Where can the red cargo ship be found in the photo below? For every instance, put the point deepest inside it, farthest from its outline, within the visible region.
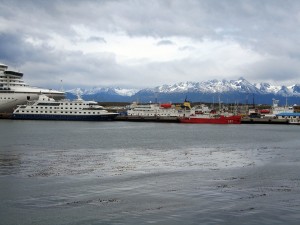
(212, 119)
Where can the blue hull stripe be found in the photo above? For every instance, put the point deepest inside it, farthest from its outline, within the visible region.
(64, 117)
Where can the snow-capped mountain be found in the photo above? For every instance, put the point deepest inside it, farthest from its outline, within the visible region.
(233, 90)
(212, 86)
(97, 90)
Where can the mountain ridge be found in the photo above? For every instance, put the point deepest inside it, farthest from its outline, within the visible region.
(239, 90)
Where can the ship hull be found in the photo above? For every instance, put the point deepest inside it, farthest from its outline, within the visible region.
(107, 117)
(218, 120)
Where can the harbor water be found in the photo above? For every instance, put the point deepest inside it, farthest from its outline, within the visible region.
(55, 172)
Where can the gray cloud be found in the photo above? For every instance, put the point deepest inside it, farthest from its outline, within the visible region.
(165, 42)
(96, 39)
(269, 28)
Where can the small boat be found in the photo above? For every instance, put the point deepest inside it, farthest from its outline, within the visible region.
(46, 108)
(292, 118)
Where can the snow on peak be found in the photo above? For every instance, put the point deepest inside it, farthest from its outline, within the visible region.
(126, 92)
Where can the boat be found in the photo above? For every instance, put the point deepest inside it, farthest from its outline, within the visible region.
(211, 119)
(203, 114)
(46, 108)
(14, 91)
(290, 117)
(156, 110)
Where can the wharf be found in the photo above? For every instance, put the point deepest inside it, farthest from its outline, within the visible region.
(164, 119)
(6, 115)
(247, 120)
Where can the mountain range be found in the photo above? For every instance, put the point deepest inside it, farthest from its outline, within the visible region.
(227, 91)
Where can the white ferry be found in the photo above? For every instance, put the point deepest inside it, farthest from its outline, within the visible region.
(159, 110)
(46, 108)
(14, 91)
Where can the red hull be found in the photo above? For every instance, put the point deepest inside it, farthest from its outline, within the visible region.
(218, 120)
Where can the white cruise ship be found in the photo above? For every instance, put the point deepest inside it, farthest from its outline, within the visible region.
(46, 108)
(14, 91)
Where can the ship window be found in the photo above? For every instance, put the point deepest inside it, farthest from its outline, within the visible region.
(22, 110)
(41, 107)
(71, 108)
(46, 112)
(17, 111)
(84, 112)
(50, 107)
(75, 103)
(41, 111)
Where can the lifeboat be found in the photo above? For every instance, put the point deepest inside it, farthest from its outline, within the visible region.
(166, 105)
(265, 111)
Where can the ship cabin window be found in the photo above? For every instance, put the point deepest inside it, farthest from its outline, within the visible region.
(17, 111)
(41, 107)
(36, 107)
(75, 103)
(71, 108)
(84, 112)
(50, 107)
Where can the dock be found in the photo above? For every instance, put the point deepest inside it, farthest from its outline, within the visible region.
(163, 119)
(6, 115)
(264, 121)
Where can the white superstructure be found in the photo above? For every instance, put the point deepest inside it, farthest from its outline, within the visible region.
(14, 91)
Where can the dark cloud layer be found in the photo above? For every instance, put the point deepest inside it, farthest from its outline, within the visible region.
(268, 28)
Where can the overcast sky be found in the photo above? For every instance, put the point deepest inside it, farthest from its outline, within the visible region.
(137, 44)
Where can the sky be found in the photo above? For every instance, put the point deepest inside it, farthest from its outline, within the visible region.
(147, 43)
